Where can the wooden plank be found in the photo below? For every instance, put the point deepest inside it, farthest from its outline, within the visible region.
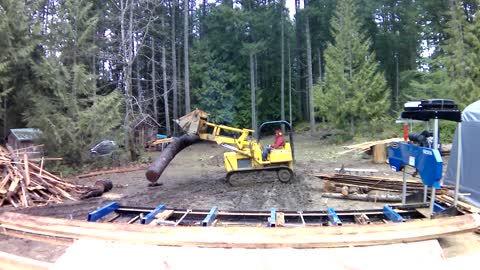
(468, 207)
(119, 170)
(4, 182)
(280, 219)
(14, 184)
(27, 173)
(243, 237)
(10, 261)
(164, 215)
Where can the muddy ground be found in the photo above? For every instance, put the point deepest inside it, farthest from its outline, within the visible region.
(195, 179)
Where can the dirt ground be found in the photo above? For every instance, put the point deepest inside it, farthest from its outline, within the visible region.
(195, 179)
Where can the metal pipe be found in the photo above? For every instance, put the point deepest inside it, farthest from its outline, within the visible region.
(301, 217)
(432, 201)
(184, 215)
(435, 146)
(459, 163)
(425, 194)
(404, 188)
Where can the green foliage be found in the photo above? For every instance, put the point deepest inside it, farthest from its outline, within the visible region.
(16, 54)
(215, 94)
(455, 74)
(462, 58)
(63, 99)
(355, 89)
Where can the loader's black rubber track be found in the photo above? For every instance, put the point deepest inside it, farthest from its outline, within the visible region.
(276, 169)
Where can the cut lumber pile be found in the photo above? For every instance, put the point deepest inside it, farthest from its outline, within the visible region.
(364, 147)
(466, 207)
(24, 184)
(367, 183)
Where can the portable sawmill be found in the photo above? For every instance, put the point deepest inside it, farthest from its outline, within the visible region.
(246, 152)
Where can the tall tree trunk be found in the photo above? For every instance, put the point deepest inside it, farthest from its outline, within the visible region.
(310, 76)
(319, 65)
(174, 68)
(126, 35)
(253, 92)
(139, 87)
(165, 89)
(133, 153)
(185, 53)
(299, 73)
(282, 80)
(154, 83)
(202, 22)
(290, 85)
(5, 114)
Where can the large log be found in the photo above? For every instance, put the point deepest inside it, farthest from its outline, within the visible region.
(156, 169)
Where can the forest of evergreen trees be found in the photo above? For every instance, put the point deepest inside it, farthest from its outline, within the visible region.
(82, 70)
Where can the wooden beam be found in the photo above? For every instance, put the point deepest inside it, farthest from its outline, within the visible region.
(119, 170)
(243, 237)
(10, 261)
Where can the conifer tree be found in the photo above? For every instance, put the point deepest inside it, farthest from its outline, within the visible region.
(462, 56)
(16, 54)
(355, 88)
(62, 101)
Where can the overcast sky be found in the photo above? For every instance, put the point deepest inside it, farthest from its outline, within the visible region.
(291, 6)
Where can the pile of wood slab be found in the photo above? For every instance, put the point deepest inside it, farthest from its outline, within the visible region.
(358, 187)
(24, 183)
(365, 146)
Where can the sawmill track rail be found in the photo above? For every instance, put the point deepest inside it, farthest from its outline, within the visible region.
(161, 215)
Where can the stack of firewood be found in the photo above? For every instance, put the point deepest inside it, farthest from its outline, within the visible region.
(24, 184)
(349, 186)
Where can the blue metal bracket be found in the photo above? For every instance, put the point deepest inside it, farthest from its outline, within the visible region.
(438, 208)
(210, 217)
(392, 214)
(333, 217)
(102, 211)
(150, 216)
(273, 218)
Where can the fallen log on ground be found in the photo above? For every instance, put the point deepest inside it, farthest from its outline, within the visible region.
(365, 197)
(156, 169)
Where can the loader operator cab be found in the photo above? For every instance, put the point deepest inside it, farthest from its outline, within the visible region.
(273, 127)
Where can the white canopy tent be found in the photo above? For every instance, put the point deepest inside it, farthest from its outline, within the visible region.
(469, 154)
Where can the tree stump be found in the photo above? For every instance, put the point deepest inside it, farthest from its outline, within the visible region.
(379, 153)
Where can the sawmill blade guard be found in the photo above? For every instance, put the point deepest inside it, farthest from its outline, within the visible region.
(193, 123)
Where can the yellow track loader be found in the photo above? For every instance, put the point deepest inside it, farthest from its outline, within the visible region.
(246, 152)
